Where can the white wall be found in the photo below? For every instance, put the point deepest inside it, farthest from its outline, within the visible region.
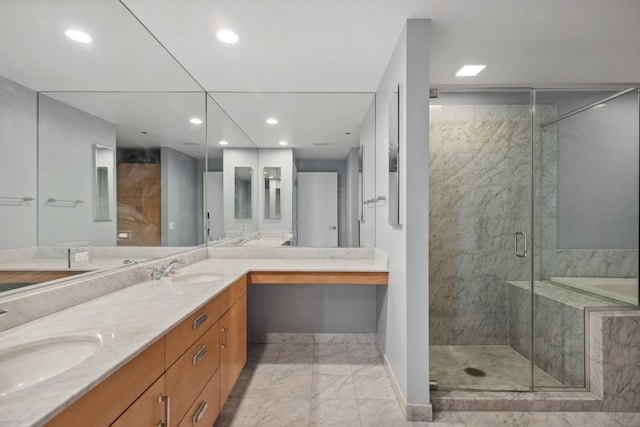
(232, 158)
(19, 165)
(66, 171)
(282, 158)
(403, 323)
(180, 208)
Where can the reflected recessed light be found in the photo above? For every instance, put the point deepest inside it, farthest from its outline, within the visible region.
(283, 143)
(223, 143)
(470, 70)
(272, 121)
(195, 121)
(78, 36)
(599, 105)
(227, 36)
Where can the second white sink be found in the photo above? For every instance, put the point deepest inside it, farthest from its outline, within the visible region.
(195, 278)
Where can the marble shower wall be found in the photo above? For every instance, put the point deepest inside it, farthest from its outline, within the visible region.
(480, 178)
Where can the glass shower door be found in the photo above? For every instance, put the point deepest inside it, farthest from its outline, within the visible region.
(480, 150)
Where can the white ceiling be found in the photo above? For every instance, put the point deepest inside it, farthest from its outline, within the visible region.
(339, 45)
(299, 46)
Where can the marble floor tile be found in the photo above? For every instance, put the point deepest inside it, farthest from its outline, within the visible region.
(373, 387)
(251, 385)
(626, 419)
(328, 350)
(285, 413)
(239, 412)
(363, 350)
(505, 368)
(334, 413)
(373, 366)
(260, 368)
(333, 386)
(293, 369)
(292, 386)
(381, 413)
(331, 368)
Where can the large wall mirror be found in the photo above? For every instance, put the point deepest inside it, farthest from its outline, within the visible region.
(174, 149)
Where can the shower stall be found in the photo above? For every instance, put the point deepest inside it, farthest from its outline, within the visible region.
(534, 220)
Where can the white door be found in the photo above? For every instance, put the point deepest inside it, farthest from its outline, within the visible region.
(318, 209)
(214, 213)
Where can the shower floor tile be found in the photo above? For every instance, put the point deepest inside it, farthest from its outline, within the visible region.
(505, 368)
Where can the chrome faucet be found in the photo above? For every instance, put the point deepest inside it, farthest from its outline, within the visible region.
(164, 271)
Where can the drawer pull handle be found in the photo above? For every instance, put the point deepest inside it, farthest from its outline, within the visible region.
(225, 338)
(198, 355)
(200, 320)
(199, 413)
(167, 410)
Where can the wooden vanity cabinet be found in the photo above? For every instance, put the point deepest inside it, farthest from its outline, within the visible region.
(196, 365)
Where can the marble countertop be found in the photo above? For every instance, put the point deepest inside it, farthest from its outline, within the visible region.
(127, 322)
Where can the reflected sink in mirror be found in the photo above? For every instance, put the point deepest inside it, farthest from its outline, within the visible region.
(27, 364)
(195, 278)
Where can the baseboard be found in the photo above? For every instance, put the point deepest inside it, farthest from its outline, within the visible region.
(411, 411)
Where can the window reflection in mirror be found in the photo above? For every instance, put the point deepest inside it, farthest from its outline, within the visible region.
(272, 193)
(104, 178)
(242, 193)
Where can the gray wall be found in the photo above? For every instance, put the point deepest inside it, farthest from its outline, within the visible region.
(403, 318)
(331, 165)
(311, 309)
(66, 171)
(180, 206)
(18, 165)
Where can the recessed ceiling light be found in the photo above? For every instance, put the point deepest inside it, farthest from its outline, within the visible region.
(283, 143)
(78, 36)
(223, 142)
(470, 70)
(272, 121)
(227, 36)
(195, 120)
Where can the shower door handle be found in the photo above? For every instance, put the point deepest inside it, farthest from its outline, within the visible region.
(519, 254)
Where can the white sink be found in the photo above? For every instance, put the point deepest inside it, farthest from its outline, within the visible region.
(27, 364)
(195, 278)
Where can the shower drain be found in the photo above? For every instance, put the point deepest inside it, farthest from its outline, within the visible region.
(475, 372)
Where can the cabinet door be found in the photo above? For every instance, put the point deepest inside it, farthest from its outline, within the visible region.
(206, 407)
(233, 348)
(148, 410)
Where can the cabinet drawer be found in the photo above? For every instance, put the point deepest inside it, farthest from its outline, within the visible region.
(148, 410)
(102, 405)
(182, 336)
(187, 377)
(232, 294)
(206, 407)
